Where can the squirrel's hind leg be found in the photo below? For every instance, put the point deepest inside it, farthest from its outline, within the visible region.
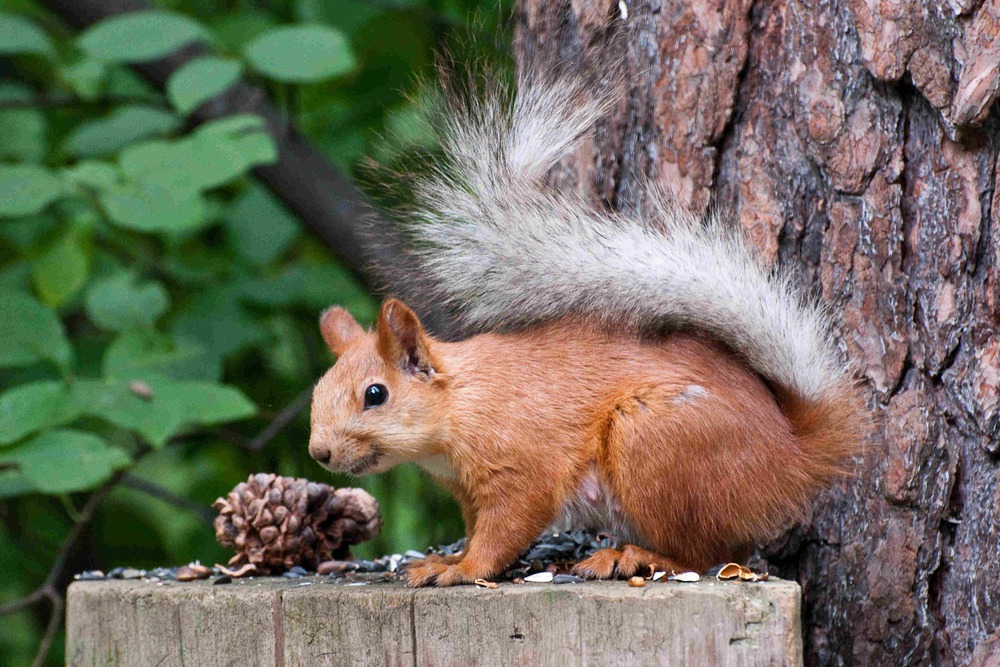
(698, 469)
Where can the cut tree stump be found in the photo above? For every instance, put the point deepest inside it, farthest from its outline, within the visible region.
(319, 621)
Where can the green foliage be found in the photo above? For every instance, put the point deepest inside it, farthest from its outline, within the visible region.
(121, 127)
(120, 303)
(26, 189)
(62, 460)
(301, 54)
(19, 35)
(139, 36)
(157, 304)
(30, 332)
(200, 80)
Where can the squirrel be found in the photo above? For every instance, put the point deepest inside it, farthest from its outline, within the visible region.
(640, 374)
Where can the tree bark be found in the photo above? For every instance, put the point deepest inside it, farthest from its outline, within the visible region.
(857, 145)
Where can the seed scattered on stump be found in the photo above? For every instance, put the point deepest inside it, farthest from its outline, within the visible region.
(737, 571)
(276, 523)
(193, 571)
(244, 570)
(636, 582)
(483, 583)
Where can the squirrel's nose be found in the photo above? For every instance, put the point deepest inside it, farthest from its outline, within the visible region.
(319, 452)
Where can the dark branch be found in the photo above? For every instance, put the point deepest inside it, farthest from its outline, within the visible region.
(154, 490)
(51, 630)
(17, 605)
(283, 419)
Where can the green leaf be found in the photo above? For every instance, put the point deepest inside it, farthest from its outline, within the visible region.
(201, 80)
(119, 302)
(13, 483)
(61, 270)
(15, 276)
(34, 406)
(30, 332)
(24, 134)
(93, 174)
(62, 461)
(259, 227)
(118, 129)
(151, 206)
(301, 53)
(28, 231)
(170, 406)
(25, 189)
(139, 36)
(217, 320)
(217, 153)
(85, 77)
(18, 35)
(23, 130)
(146, 354)
(152, 418)
(206, 403)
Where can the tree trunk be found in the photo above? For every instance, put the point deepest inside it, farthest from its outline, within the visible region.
(857, 144)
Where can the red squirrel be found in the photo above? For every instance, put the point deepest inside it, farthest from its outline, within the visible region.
(638, 374)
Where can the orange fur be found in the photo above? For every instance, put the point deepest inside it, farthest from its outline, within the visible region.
(676, 439)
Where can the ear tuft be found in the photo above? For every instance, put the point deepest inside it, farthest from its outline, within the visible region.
(402, 340)
(339, 329)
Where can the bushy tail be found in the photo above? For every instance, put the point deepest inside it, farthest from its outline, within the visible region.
(504, 250)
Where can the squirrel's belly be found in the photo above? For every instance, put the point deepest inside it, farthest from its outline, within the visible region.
(592, 506)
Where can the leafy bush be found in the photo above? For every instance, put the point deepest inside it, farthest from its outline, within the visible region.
(157, 304)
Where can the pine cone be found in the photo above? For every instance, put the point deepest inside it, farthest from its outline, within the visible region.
(278, 522)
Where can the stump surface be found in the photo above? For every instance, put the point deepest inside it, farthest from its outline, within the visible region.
(316, 621)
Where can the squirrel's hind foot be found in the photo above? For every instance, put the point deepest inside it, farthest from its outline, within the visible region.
(436, 573)
(628, 561)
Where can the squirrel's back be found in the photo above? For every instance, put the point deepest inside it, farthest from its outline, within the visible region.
(679, 423)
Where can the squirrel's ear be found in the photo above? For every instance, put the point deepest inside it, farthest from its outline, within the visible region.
(402, 340)
(339, 329)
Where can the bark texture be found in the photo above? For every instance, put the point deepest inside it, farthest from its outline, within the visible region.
(857, 143)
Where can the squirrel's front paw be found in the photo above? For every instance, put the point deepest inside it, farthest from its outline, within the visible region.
(422, 573)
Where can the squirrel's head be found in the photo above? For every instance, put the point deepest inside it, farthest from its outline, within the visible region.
(382, 402)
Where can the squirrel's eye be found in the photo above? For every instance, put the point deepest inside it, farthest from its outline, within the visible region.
(375, 395)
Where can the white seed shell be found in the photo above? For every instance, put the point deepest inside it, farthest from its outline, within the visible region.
(686, 576)
(540, 577)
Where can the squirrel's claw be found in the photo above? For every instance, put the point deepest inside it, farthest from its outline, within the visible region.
(626, 562)
(422, 573)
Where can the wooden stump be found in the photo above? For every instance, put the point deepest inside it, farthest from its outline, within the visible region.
(318, 621)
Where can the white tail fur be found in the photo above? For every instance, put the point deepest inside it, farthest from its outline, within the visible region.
(505, 250)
